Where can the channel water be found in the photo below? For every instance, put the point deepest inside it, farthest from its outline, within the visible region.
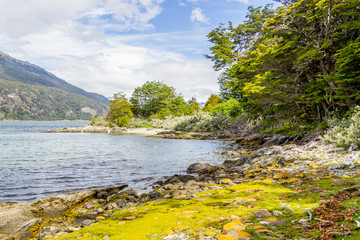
(34, 164)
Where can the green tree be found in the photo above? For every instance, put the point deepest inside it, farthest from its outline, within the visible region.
(119, 112)
(300, 62)
(212, 101)
(156, 98)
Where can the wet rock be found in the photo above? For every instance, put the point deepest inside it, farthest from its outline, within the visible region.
(131, 198)
(133, 193)
(200, 168)
(102, 195)
(237, 161)
(261, 213)
(154, 195)
(180, 178)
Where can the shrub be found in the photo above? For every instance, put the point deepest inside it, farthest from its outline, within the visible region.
(230, 108)
(345, 132)
(119, 112)
(98, 121)
(203, 122)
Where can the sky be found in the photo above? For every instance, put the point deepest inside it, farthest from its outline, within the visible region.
(111, 46)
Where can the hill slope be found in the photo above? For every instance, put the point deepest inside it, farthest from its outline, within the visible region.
(28, 92)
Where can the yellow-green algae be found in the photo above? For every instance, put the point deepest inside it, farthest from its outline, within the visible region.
(208, 211)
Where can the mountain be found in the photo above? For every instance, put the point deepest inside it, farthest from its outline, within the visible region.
(28, 92)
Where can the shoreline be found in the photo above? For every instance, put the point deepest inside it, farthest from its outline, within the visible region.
(148, 132)
(289, 165)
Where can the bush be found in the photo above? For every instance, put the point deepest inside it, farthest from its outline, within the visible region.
(230, 108)
(99, 121)
(345, 132)
(203, 123)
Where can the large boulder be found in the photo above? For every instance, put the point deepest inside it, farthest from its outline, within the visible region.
(19, 220)
(200, 168)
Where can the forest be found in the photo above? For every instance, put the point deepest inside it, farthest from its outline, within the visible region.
(290, 70)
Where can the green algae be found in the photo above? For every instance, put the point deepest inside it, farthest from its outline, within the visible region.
(207, 211)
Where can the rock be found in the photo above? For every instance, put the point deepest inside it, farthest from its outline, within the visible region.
(178, 236)
(226, 181)
(261, 213)
(131, 198)
(237, 161)
(239, 235)
(286, 207)
(18, 218)
(120, 203)
(267, 151)
(226, 237)
(89, 205)
(154, 195)
(277, 213)
(133, 193)
(106, 237)
(72, 229)
(236, 225)
(52, 230)
(277, 223)
(180, 178)
(86, 222)
(111, 206)
(100, 210)
(102, 195)
(200, 168)
(339, 182)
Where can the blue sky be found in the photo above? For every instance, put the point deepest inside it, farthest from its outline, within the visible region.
(108, 46)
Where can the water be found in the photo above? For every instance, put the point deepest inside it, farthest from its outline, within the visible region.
(35, 165)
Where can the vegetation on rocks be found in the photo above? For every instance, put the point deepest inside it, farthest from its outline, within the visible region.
(279, 192)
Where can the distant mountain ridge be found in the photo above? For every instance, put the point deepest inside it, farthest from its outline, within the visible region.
(30, 92)
(13, 69)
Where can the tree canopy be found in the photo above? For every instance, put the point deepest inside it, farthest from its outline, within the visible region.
(119, 112)
(156, 98)
(300, 61)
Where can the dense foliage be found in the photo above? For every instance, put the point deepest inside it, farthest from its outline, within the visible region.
(300, 62)
(156, 98)
(119, 112)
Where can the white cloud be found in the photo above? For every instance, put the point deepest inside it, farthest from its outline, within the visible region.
(198, 16)
(69, 39)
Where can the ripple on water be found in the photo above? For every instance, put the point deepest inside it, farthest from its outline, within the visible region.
(35, 165)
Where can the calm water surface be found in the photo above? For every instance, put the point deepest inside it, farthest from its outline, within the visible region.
(35, 164)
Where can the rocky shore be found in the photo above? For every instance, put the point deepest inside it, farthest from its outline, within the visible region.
(289, 191)
(149, 132)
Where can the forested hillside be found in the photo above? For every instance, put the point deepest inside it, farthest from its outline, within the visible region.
(298, 63)
(21, 101)
(28, 92)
